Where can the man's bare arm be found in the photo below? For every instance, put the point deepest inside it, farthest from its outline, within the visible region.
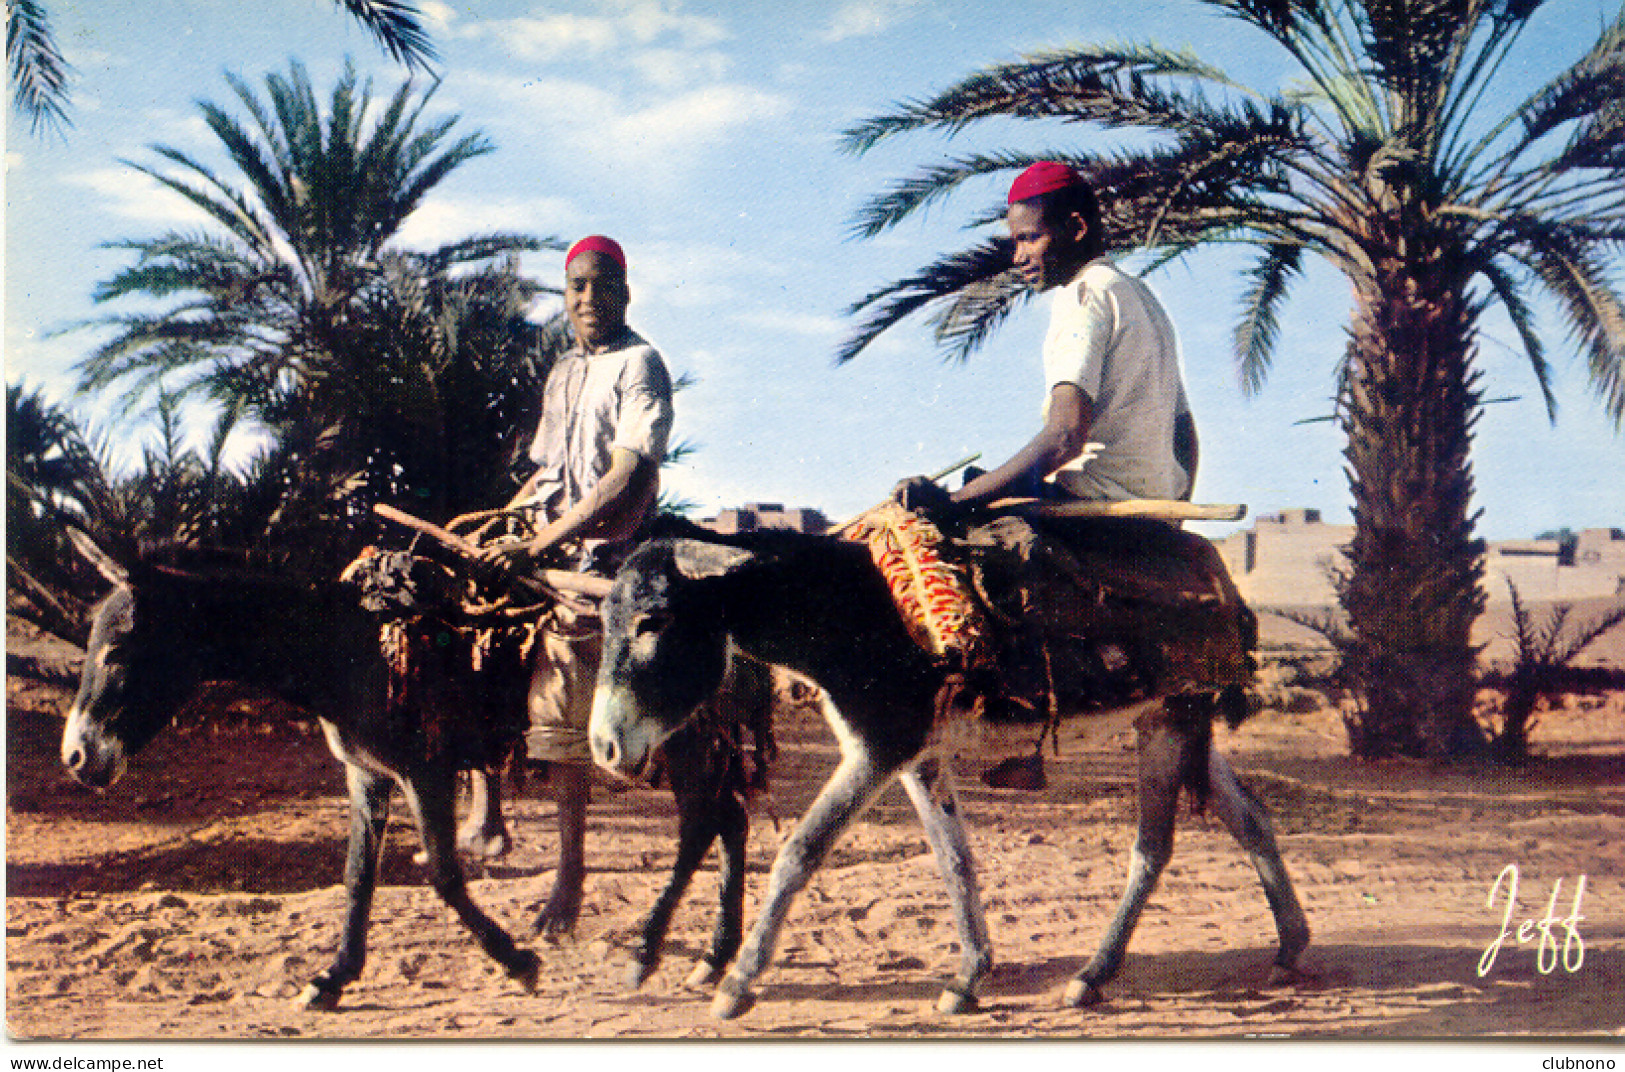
(1063, 437)
(525, 490)
(629, 479)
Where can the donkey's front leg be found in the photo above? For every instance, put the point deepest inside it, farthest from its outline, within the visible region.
(430, 793)
(696, 829)
(733, 831)
(852, 786)
(369, 812)
(931, 789)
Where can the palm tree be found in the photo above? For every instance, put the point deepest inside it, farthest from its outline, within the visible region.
(52, 480)
(296, 315)
(1383, 161)
(1543, 668)
(39, 74)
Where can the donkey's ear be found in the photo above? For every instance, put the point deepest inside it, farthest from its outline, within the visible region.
(115, 573)
(697, 560)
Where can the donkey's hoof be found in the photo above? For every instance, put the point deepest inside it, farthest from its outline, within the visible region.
(956, 1000)
(482, 846)
(1082, 994)
(703, 977)
(317, 998)
(1282, 976)
(638, 972)
(730, 1002)
(557, 918)
(527, 971)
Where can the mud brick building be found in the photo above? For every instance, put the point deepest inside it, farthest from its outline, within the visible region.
(1288, 559)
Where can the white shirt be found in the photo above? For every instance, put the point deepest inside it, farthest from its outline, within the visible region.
(1109, 335)
(593, 405)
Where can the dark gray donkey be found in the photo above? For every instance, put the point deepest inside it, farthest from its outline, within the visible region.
(167, 626)
(679, 609)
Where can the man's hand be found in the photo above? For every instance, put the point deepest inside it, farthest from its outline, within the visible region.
(516, 554)
(924, 496)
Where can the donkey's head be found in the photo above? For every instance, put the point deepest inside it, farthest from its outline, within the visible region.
(665, 647)
(135, 672)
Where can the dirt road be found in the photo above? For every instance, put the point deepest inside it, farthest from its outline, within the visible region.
(195, 898)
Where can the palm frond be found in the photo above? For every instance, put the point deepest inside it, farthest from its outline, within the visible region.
(1565, 649)
(936, 182)
(1579, 280)
(941, 279)
(1108, 85)
(176, 262)
(39, 74)
(484, 247)
(1259, 326)
(267, 172)
(48, 461)
(1510, 294)
(1588, 93)
(226, 206)
(395, 24)
(967, 318)
(1281, 19)
(434, 172)
(1409, 44)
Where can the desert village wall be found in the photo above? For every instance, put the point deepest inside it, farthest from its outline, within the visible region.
(754, 516)
(1286, 560)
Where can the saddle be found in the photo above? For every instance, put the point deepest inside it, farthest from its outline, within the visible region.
(1035, 616)
(1093, 613)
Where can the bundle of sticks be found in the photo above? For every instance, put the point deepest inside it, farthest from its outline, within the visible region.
(581, 590)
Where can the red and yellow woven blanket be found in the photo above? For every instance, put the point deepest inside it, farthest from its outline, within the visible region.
(933, 595)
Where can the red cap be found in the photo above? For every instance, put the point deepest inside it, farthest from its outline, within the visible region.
(1042, 178)
(597, 244)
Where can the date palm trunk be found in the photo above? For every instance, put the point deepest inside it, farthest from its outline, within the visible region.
(1412, 590)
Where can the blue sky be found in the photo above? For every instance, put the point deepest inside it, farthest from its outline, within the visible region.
(703, 135)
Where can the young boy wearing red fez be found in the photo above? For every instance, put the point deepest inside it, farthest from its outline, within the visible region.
(1116, 421)
(606, 420)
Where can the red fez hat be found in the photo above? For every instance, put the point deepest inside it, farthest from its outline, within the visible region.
(597, 244)
(1042, 178)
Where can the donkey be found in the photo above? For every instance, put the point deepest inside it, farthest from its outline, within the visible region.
(165, 628)
(680, 608)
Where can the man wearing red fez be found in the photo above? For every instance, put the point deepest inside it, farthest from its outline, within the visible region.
(1116, 422)
(606, 420)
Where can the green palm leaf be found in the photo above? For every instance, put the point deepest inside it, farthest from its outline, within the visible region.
(39, 74)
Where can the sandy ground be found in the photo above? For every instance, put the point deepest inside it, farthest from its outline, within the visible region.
(194, 899)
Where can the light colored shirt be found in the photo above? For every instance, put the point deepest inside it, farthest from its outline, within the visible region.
(1109, 335)
(591, 406)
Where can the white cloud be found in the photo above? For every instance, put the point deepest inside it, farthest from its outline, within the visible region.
(130, 195)
(671, 68)
(440, 17)
(622, 84)
(635, 24)
(689, 274)
(810, 325)
(667, 130)
(648, 20)
(865, 18)
(552, 37)
(659, 133)
(444, 219)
